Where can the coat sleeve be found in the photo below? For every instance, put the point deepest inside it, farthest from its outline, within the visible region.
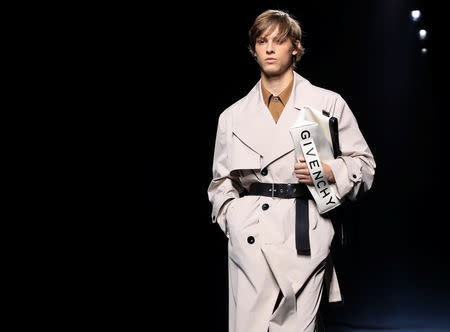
(224, 187)
(354, 171)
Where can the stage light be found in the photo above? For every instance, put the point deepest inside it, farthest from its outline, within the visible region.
(415, 15)
(422, 34)
(424, 51)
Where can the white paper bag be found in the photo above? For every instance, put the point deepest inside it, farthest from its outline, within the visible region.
(312, 140)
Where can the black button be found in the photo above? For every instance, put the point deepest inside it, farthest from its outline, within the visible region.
(354, 176)
(251, 239)
(265, 206)
(264, 172)
(214, 217)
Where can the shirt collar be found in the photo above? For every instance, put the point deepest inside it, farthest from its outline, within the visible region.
(283, 96)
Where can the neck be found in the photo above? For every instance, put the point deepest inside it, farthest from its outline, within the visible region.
(275, 84)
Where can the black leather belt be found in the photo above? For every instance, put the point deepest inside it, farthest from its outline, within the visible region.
(300, 192)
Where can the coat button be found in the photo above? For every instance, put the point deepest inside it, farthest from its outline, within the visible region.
(265, 206)
(264, 171)
(354, 176)
(251, 239)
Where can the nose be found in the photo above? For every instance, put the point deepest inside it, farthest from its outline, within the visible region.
(270, 47)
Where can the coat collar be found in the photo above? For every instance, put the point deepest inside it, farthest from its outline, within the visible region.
(254, 125)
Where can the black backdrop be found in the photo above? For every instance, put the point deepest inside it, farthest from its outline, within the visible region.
(395, 272)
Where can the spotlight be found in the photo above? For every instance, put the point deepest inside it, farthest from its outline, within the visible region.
(415, 15)
(422, 34)
(424, 51)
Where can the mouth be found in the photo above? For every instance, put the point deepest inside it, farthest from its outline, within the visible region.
(270, 60)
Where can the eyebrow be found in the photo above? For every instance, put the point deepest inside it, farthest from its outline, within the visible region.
(265, 36)
(278, 36)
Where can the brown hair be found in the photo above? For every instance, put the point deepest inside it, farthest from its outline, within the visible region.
(288, 27)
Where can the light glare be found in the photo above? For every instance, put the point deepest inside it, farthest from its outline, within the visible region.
(422, 34)
(415, 15)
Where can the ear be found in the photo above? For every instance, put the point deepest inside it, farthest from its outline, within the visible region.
(296, 47)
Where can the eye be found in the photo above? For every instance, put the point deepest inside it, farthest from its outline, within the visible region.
(260, 41)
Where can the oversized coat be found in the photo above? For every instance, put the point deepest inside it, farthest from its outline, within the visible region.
(262, 258)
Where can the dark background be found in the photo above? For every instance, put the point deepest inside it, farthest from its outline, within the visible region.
(193, 61)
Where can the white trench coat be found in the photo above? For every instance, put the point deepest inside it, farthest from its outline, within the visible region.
(261, 248)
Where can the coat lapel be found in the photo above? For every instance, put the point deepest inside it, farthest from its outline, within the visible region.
(251, 122)
(255, 127)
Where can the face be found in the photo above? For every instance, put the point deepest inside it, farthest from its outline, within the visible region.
(274, 56)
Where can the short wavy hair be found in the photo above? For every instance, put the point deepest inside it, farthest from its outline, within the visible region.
(288, 27)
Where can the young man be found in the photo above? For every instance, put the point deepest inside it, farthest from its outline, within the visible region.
(258, 191)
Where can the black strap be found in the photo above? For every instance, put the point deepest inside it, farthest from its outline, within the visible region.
(301, 194)
(302, 227)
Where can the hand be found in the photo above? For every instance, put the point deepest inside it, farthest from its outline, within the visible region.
(301, 172)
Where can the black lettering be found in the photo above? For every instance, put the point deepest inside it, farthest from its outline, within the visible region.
(315, 161)
(324, 183)
(310, 154)
(305, 134)
(323, 191)
(331, 201)
(317, 175)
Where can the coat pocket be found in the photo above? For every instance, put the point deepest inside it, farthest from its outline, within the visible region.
(242, 213)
